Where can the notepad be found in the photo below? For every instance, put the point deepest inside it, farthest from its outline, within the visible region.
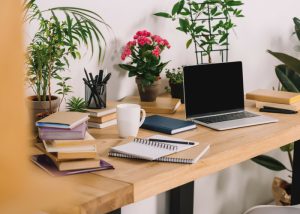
(187, 154)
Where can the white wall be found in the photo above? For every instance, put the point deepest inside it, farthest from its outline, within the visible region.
(267, 25)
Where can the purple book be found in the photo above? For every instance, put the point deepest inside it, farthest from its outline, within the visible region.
(76, 133)
(46, 164)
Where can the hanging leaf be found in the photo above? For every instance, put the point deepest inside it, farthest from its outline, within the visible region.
(282, 74)
(269, 163)
(177, 7)
(188, 43)
(163, 14)
(287, 148)
(289, 61)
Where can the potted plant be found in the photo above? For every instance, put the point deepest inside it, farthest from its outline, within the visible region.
(207, 24)
(175, 77)
(56, 40)
(145, 62)
(289, 78)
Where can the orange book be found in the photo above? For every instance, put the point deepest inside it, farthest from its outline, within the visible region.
(265, 95)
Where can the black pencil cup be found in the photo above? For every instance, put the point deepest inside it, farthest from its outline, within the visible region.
(96, 100)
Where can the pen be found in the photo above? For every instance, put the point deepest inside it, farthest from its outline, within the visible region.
(277, 110)
(172, 141)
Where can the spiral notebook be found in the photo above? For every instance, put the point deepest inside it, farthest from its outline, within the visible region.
(162, 152)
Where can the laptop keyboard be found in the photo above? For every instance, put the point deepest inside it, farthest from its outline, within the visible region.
(226, 117)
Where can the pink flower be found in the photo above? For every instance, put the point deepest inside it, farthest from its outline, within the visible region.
(142, 40)
(156, 51)
(126, 52)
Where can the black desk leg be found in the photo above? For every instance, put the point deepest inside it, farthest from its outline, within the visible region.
(182, 199)
(296, 175)
(118, 211)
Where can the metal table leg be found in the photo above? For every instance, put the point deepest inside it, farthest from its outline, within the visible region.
(118, 211)
(182, 199)
(296, 175)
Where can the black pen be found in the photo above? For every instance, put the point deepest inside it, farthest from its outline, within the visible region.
(172, 141)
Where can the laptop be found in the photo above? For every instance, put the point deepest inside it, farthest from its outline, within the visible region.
(214, 97)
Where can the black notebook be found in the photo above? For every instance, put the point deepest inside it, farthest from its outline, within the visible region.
(167, 125)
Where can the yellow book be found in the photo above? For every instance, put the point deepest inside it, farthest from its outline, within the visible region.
(103, 119)
(162, 105)
(63, 156)
(265, 95)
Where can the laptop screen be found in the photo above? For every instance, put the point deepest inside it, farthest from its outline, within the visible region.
(213, 88)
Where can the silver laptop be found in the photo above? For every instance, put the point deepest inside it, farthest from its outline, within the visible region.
(214, 97)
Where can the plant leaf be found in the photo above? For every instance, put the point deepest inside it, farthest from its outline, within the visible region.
(289, 61)
(163, 14)
(282, 74)
(188, 43)
(287, 148)
(269, 163)
(177, 7)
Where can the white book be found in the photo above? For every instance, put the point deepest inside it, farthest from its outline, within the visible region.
(161, 151)
(102, 125)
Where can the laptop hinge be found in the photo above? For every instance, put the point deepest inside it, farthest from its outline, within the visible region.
(216, 114)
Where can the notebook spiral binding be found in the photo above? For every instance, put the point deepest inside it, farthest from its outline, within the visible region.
(155, 144)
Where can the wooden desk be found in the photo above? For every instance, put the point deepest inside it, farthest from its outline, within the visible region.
(227, 148)
(134, 180)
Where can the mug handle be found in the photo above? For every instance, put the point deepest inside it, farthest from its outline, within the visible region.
(143, 117)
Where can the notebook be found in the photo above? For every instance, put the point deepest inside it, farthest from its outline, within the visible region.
(47, 164)
(272, 96)
(84, 147)
(187, 154)
(292, 107)
(102, 112)
(102, 125)
(63, 120)
(167, 125)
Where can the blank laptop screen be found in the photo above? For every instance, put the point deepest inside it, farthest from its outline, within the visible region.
(213, 88)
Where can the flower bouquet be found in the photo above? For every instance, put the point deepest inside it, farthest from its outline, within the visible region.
(145, 63)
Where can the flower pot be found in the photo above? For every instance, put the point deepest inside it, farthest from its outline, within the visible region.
(40, 107)
(281, 190)
(177, 91)
(148, 93)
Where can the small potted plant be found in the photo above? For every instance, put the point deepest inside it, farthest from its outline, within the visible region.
(175, 77)
(61, 32)
(145, 62)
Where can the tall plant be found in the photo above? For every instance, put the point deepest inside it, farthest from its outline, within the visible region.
(289, 77)
(207, 23)
(56, 40)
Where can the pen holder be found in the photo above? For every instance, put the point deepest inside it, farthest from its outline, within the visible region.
(96, 99)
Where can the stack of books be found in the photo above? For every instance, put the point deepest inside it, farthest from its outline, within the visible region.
(275, 101)
(67, 146)
(102, 118)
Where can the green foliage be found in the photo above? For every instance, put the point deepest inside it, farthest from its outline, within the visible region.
(192, 20)
(175, 76)
(76, 104)
(289, 77)
(269, 162)
(56, 41)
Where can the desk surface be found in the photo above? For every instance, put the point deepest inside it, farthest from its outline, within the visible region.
(227, 148)
(134, 180)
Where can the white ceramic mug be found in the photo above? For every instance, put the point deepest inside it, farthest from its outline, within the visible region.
(129, 119)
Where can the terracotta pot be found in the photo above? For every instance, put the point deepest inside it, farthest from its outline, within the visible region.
(177, 91)
(281, 190)
(148, 93)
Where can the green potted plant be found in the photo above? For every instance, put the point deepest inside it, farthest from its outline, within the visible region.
(145, 62)
(289, 78)
(207, 23)
(56, 40)
(175, 76)
(77, 104)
